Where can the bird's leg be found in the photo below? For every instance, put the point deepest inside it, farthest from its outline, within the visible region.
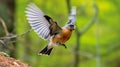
(61, 44)
(64, 45)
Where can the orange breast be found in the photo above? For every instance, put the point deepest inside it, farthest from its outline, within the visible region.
(63, 36)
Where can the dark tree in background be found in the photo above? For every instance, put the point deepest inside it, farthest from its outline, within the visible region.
(7, 12)
(80, 32)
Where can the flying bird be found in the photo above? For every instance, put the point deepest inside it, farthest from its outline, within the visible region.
(48, 29)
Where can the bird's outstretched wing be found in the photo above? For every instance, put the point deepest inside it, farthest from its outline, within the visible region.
(72, 17)
(42, 24)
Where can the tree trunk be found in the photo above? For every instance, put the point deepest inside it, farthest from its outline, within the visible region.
(77, 48)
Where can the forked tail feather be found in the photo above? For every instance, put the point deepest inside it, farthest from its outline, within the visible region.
(46, 51)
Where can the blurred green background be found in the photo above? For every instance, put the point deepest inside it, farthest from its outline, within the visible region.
(99, 46)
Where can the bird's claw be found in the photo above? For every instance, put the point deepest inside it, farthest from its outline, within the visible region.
(64, 45)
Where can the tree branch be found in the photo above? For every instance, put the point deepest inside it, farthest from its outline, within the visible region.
(85, 28)
(15, 36)
(8, 39)
(4, 27)
(68, 6)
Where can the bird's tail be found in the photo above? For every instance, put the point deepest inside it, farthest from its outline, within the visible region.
(46, 51)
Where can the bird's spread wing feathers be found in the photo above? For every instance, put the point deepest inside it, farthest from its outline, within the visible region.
(42, 24)
(72, 17)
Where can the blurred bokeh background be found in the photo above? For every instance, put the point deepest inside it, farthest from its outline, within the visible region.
(94, 43)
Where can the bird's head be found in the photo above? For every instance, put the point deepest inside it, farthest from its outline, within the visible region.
(72, 19)
(70, 27)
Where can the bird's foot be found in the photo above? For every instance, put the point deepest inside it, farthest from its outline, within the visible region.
(61, 44)
(64, 45)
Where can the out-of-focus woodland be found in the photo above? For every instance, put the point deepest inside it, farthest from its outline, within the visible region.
(94, 43)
